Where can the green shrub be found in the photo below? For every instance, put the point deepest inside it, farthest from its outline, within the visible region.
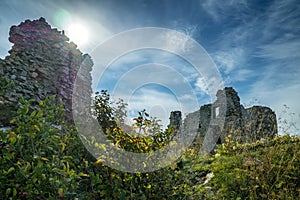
(267, 169)
(34, 161)
(43, 158)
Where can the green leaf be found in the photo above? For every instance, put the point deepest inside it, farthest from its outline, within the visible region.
(82, 174)
(33, 113)
(14, 192)
(10, 170)
(63, 146)
(103, 147)
(60, 191)
(8, 191)
(39, 114)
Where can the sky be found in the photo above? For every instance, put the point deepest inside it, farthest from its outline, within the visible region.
(254, 45)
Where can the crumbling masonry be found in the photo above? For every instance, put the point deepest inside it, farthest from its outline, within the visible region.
(41, 63)
(226, 116)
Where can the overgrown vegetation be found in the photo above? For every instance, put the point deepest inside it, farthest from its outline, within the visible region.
(267, 169)
(43, 158)
(145, 135)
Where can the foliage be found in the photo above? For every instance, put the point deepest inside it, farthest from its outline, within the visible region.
(4, 85)
(42, 157)
(147, 125)
(266, 169)
(34, 162)
(103, 111)
(149, 136)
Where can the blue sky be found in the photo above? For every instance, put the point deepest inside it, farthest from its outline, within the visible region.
(255, 45)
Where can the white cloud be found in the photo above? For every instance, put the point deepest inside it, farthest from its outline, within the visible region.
(280, 50)
(276, 98)
(188, 29)
(219, 10)
(262, 54)
(242, 75)
(257, 49)
(201, 84)
(229, 60)
(158, 103)
(283, 16)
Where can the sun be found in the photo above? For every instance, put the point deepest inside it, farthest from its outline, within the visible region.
(78, 34)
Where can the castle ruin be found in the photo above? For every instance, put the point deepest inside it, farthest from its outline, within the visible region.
(41, 63)
(226, 116)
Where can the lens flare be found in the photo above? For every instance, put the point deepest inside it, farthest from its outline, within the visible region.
(78, 34)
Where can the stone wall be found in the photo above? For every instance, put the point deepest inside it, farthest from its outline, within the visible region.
(198, 121)
(175, 120)
(41, 63)
(226, 116)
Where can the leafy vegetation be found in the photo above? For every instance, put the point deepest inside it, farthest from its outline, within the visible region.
(42, 157)
(145, 135)
(267, 169)
(5, 84)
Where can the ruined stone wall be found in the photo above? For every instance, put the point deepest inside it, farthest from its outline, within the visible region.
(260, 122)
(175, 120)
(226, 116)
(198, 121)
(247, 125)
(41, 63)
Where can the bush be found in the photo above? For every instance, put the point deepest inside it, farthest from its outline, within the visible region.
(34, 162)
(43, 158)
(267, 169)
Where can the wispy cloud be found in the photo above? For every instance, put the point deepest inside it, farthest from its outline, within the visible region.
(191, 30)
(157, 102)
(281, 51)
(229, 60)
(277, 50)
(255, 45)
(219, 11)
(261, 53)
(130, 75)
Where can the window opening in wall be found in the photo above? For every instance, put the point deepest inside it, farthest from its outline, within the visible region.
(217, 112)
